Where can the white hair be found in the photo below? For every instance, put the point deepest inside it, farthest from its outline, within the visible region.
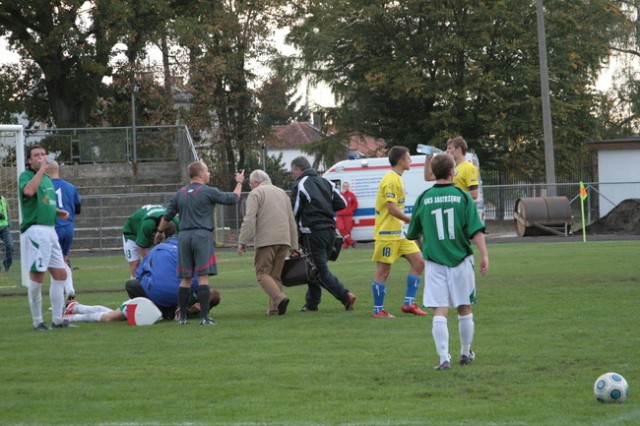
(259, 176)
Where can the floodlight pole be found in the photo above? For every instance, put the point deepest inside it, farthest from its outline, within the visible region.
(550, 168)
(134, 89)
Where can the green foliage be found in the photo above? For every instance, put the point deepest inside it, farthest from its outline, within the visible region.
(71, 48)
(327, 151)
(420, 72)
(275, 168)
(276, 108)
(551, 317)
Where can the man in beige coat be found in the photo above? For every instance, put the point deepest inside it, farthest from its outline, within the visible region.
(269, 222)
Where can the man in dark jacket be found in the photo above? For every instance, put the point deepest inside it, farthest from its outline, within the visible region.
(314, 201)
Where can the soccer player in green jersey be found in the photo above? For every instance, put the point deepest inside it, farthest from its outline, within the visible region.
(446, 219)
(138, 233)
(39, 238)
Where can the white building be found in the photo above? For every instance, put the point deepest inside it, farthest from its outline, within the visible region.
(618, 161)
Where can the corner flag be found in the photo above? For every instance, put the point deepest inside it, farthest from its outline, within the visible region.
(583, 191)
(583, 196)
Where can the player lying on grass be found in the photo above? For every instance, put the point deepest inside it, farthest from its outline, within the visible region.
(77, 312)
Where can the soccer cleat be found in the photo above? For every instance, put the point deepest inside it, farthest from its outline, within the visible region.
(207, 321)
(443, 366)
(351, 301)
(183, 321)
(41, 327)
(306, 308)
(70, 307)
(282, 306)
(413, 309)
(63, 324)
(382, 314)
(467, 359)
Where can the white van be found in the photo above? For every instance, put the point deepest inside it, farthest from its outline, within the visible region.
(364, 176)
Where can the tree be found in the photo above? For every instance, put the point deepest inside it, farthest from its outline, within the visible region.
(71, 44)
(275, 107)
(620, 106)
(419, 71)
(220, 38)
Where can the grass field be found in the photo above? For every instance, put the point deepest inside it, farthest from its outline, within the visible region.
(551, 318)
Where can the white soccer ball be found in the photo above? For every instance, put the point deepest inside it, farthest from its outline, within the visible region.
(611, 387)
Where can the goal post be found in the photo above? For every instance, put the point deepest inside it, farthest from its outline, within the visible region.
(12, 139)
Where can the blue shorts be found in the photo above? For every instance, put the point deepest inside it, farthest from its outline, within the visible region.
(65, 237)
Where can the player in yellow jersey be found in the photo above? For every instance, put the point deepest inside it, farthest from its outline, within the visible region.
(390, 243)
(466, 174)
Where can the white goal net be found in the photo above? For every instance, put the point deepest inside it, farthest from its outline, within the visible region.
(12, 163)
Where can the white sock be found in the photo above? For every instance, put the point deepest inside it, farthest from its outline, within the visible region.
(92, 317)
(56, 294)
(35, 302)
(440, 333)
(466, 329)
(68, 283)
(90, 309)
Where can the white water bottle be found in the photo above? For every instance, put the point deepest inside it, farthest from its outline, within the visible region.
(427, 149)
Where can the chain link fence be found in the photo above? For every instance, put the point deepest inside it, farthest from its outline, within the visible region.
(99, 227)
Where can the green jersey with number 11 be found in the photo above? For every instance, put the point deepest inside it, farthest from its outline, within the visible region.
(446, 218)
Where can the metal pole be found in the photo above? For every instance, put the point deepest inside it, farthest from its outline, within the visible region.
(550, 168)
(134, 88)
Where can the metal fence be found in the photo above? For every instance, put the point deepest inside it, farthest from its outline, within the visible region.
(99, 227)
(117, 144)
(601, 198)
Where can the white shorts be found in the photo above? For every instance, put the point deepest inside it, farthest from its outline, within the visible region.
(131, 250)
(449, 287)
(42, 249)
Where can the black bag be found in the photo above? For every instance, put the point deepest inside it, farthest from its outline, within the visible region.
(337, 246)
(298, 270)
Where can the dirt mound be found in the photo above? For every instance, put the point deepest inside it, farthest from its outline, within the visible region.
(623, 219)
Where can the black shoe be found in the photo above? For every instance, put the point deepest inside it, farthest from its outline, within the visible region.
(63, 324)
(282, 306)
(207, 321)
(306, 308)
(41, 327)
(443, 366)
(467, 359)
